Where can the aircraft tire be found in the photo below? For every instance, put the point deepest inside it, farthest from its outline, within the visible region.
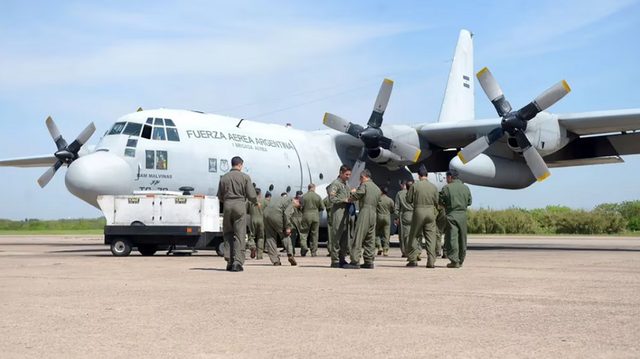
(121, 247)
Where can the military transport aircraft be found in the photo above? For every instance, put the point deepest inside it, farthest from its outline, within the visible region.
(165, 149)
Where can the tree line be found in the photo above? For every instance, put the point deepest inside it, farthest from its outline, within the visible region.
(607, 218)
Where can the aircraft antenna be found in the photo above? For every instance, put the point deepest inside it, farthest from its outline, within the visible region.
(238, 125)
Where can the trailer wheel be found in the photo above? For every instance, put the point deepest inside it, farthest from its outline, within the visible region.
(121, 247)
(219, 246)
(147, 251)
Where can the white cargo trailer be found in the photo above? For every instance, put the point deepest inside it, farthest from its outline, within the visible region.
(152, 221)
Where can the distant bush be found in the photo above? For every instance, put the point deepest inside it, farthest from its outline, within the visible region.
(550, 220)
(607, 218)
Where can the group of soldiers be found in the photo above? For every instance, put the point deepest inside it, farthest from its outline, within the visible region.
(358, 220)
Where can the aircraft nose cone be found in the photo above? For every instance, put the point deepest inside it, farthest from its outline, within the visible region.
(100, 173)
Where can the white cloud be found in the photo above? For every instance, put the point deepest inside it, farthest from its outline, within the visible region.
(209, 45)
(542, 27)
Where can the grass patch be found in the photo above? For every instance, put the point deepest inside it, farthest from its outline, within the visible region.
(51, 232)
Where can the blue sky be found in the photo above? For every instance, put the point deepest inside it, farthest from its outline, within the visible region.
(81, 62)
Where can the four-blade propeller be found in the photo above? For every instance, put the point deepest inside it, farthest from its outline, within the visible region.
(65, 154)
(372, 136)
(514, 123)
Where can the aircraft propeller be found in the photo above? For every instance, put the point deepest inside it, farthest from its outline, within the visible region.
(514, 122)
(372, 136)
(65, 154)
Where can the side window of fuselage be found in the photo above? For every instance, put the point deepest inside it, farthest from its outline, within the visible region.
(156, 160)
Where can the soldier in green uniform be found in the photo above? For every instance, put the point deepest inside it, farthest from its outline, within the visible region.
(327, 207)
(383, 222)
(256, 226)
(455, 198)
(424, 197)
(277, 218)
(311, 206)
(404, 214)
(368, 196)
(340, 218)
(234, 189)
(296, 221)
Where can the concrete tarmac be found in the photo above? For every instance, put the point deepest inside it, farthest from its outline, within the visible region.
(515, 297)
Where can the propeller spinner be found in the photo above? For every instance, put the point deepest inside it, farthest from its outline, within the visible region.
(372, 136)
(65, 154)
(514, 123)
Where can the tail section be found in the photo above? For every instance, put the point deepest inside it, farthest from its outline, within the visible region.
(458, 103)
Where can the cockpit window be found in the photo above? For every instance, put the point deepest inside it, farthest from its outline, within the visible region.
(158, 133)
(159, 122)
(169, 122)
(150, 120)
(146, 132)
(132, 129)
(117, 128)
(172, 134)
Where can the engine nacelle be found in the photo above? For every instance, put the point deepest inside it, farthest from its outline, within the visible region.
(545, 134)
(491, 171)
(382, 156)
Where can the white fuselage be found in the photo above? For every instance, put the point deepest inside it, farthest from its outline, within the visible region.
(278, 158)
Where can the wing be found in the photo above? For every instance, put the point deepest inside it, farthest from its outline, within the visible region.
(607, 140)
(455, 134)
(601, 122)
(33, 161)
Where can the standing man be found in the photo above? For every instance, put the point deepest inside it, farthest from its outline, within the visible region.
(327, 207)
(340, 218)
(368, 195)
(424, 197)
(234, 189)
(455, 198)
(256, 226)
(404, 214)
(311, 206)
(278, 225)
(383, 222)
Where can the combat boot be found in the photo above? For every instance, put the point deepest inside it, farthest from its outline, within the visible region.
(385, 253)
(292, 260)
(379, 251)
(412, 264)
(253, 253)
(419, 257)
(367, 266)
(236, 268)
(453, 265)
(278, 263)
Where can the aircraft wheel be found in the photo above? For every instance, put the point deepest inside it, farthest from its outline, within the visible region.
(121, 247)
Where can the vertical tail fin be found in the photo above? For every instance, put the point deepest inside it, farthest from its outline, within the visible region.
(458, 103)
